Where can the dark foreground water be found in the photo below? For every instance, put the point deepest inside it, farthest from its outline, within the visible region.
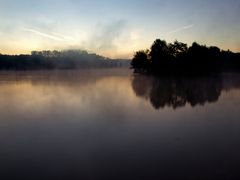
(99, 124)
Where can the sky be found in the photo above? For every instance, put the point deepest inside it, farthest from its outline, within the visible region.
(116, 28)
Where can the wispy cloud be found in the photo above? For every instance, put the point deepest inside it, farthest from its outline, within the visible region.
(64, 37)
(180, 29)
(49, 36)
(104, 36)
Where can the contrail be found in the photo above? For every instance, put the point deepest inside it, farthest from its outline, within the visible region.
(67, 38)
(180, 29)
(56, 38)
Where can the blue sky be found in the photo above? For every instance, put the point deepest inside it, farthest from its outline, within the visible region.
(116, 28)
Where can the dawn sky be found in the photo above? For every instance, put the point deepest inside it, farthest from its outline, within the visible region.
(116, 28)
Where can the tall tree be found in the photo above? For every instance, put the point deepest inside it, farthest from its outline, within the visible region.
(159, 53)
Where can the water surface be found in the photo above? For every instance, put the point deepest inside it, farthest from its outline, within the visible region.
(98, 124)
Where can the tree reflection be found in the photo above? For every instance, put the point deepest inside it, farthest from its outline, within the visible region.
(177, 92)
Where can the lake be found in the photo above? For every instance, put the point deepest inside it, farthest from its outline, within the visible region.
(99, 124)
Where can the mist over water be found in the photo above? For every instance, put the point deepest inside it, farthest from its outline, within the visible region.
(97, 124)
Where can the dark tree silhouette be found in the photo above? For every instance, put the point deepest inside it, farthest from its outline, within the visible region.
(69, 59)
(159, 54)
(178, 49)
(140, 61)
(176, 58)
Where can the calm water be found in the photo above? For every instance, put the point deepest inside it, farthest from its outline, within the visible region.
(98, 124)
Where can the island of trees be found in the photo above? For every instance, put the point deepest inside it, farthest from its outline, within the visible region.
(177, 58)
(68, 59)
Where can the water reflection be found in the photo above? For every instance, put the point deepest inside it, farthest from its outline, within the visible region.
(177, 92)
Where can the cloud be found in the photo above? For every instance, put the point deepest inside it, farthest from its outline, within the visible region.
(103, 38)
(67, 38)
(180, 29)
(49, 36)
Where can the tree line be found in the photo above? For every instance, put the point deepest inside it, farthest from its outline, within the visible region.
(178, 58)
(68, 59)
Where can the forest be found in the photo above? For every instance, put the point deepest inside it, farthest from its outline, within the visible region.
(177, 58)
(68, 59)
